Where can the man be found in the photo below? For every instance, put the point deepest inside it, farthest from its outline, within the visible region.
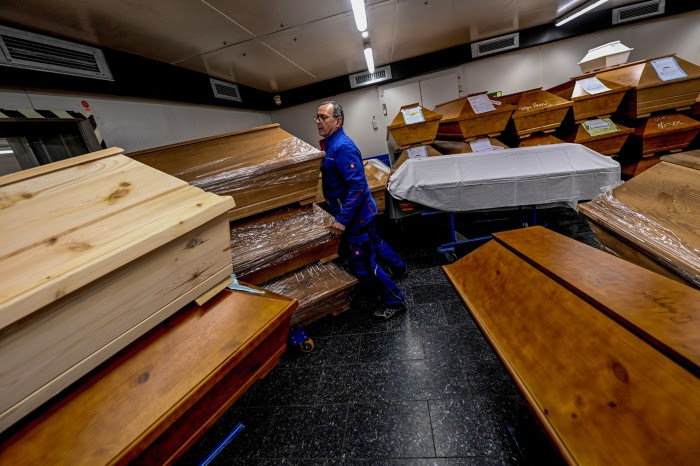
(352, 206)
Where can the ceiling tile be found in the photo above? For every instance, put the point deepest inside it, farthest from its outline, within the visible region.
(159, 29)
(252, 63)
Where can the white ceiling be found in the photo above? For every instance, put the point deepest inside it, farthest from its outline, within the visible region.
(276, 45)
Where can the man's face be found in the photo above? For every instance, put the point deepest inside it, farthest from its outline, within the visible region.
(325, 121)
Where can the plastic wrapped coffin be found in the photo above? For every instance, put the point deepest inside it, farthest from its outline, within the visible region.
(605, 352)
(262, 168)
(270, 245)
(653, 219)
(321, 289)
(97, 249)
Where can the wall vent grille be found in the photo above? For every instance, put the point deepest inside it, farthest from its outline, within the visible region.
(365, 79)
(638, 11)
(495, 45)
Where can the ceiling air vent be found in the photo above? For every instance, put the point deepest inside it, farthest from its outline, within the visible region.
(21, 49)
(495, 45)
(638, 11)
(366, 78)
(224, 90)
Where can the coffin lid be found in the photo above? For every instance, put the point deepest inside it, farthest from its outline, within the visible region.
(641, 74)
(572, 90)
(581, 135)
(428, 114)
(666, 124)
(538, 101)
(432, 152)
(539, 140)
(460, 109)
(69, 223)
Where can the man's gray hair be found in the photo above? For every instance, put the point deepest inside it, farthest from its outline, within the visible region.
(337, 110)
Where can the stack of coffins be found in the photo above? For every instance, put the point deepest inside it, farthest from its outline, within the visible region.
(539, 139)
(537, 110)
(377, 175)
(656, 84)
(470, 117)
(151, 402)
(622, 386)
(600, 134)
(268, 246)
(262, 168)
(321, 289)
(592, 97)
(653, 219)
(96, 250)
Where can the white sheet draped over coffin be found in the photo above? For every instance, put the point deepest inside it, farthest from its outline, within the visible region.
(506, 178)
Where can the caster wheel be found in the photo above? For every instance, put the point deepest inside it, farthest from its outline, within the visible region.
(450, 257)
(307, 345)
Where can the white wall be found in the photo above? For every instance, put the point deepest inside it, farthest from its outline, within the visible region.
(136, 124)
(542, 66)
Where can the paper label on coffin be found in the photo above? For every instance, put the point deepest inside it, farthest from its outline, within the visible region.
(667, 69)
(413, 115)
(593, 85)
(420, 152)
(481, 103)
(481, 145)
(599, 127)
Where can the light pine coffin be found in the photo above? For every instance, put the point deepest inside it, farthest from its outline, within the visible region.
(262, 168)
(153, 400)
(539, 139)
(671, 132)
(460, 114)
(588, 105)
(537, 110)
(648, 92)
(653, 220)
(605, 352)
(377, 179)
(96, 250)
(404, 135)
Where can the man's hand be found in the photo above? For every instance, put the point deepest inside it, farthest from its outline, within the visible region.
(336, 227)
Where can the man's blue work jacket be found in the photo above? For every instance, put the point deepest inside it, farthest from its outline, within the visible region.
(344, 183)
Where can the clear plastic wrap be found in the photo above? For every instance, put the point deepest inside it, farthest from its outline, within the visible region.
(377, 174)
(246, 160)
(266, 241)
(321, 289)
(650, 237)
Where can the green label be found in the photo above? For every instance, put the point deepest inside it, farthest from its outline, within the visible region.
(600, 126)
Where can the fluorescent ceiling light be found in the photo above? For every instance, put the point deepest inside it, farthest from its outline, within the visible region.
(365, 34)
(358, 10)
(6, 152)
(369, 58)
(583, 9)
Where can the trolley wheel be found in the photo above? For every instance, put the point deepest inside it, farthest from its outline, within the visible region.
(450, 257)
(307, 345)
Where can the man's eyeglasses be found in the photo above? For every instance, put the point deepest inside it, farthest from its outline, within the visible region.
(319, 118)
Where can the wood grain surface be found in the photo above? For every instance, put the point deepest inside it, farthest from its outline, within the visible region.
(135, 403)
(603, 393)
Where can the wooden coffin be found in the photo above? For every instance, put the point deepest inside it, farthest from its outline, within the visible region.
(588, 105)
(471, 125)
(460, 147)
(657, 215)
(151, 402)
(537, 110)
(648, 92)
(671, 132)
(430, 151)
(406, 135)
(539, 139)
(606, 144)
(268, 246)
(262, 168)
(605, 352)
(96, 250)
(377, 179)
(321, 289)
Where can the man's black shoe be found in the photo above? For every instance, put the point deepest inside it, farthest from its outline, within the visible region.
(388, 312)
(395, 273)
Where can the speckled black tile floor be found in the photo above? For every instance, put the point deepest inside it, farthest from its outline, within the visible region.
(424, 388)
